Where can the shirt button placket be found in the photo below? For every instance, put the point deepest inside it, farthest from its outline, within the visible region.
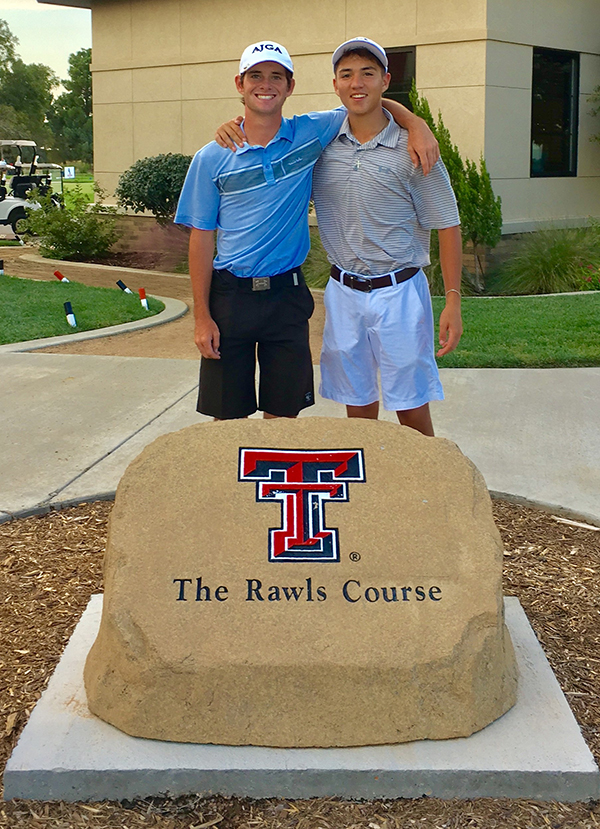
(268, 169)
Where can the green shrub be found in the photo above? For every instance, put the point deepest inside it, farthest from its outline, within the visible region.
(154, 184)
(83, 231)
(590, 278)
(479, 209)
(551, 261)
(480, 212)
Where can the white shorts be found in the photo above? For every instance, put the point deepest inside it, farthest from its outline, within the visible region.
(390, 329)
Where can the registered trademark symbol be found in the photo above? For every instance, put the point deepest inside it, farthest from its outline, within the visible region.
(354, 556)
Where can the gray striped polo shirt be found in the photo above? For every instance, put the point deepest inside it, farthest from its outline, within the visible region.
(375, 210)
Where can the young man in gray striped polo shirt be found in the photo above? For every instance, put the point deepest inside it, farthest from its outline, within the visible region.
(375, 214)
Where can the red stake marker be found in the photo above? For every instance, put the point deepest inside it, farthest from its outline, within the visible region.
(60, 277)
(143, 300)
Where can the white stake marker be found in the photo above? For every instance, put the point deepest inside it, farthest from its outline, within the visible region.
(123, 286)
(70, 315)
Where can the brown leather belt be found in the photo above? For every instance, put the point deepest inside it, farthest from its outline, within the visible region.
(364, 283)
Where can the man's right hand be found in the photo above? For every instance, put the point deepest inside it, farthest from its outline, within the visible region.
(208, 338)
(230, 134)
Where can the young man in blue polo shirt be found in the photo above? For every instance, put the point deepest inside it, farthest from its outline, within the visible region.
(252, 299)
(375, 214)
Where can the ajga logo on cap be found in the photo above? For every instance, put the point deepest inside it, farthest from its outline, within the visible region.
(273, 47)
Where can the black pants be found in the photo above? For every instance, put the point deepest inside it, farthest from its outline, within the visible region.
(271, 324)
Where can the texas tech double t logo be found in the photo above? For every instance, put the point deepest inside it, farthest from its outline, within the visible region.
(303, 480)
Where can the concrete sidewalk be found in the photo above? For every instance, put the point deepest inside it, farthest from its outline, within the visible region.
(71, 424)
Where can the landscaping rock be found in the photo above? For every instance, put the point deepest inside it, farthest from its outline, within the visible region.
(317, 582)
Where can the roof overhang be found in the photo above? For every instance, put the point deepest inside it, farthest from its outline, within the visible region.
(80, 4)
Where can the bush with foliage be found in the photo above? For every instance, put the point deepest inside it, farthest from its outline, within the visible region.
(154, 184)
(479, 209)
(81, 232)
(552, 261)
(590, 278)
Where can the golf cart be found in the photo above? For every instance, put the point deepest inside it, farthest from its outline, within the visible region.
(19, 161)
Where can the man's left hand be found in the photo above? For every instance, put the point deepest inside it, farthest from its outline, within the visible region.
(450, 328)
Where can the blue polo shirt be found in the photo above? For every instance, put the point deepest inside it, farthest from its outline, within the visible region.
(257, 198)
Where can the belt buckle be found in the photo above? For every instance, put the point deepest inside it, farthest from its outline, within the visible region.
(261, 283)
(365, 284)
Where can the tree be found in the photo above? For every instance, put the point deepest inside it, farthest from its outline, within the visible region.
(70, 116)
(154, 184)
(480, 212)
(8, 43)
(479, 209)
(27, 89)
(13, 124)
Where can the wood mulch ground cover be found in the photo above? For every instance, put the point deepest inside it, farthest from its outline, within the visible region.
(51, 564)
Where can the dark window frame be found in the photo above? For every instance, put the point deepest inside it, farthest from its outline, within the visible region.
(565, 136)
(395, 91)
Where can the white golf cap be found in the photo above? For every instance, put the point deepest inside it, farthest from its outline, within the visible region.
(361, 43)
(262, 51)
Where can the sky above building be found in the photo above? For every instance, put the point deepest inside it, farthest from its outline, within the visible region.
(47, 34)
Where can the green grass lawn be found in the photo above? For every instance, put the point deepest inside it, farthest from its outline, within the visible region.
(508, 332)
(84, 182)
(526, 332)
(30, 309)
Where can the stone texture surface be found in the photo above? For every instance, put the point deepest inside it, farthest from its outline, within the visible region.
(335, 662)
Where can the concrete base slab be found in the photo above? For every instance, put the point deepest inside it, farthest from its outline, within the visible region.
(534, 751)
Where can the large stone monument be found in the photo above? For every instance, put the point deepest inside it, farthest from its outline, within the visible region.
(317, 582)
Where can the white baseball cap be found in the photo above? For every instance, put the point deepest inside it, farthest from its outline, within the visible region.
(361, 43)
(265, 50)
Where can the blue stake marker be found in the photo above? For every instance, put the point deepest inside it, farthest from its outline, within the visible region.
(1, 267)
(123, 286)
(70, 315)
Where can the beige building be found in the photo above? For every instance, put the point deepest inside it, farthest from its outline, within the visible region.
(511, 78)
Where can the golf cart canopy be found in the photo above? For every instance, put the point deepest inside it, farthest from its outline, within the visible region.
(13, 148)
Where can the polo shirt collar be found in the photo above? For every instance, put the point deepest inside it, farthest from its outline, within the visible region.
(285, 132)
(388, 137)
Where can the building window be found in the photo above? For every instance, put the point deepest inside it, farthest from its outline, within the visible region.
(554, 113)
(401, 64)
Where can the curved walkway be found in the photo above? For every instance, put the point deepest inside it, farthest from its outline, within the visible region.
(71, 423)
